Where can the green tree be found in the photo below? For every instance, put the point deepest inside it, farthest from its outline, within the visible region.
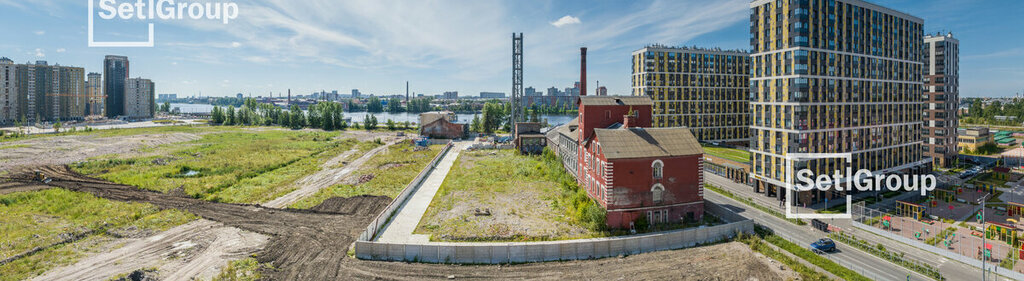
(217, 115)
(230, 119)
(391, 125)
(374, 105)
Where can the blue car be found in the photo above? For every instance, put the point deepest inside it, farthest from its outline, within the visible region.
(824, 245)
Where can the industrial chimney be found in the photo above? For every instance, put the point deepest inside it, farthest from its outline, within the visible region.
(583, 71)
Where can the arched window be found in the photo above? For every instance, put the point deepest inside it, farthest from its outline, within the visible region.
(657, 193)
(658, 167)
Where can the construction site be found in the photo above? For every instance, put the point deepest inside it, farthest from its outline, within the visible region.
(287, 244)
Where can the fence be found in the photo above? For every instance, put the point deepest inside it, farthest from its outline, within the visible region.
(962, 245)
(371, 231)
(519, 252)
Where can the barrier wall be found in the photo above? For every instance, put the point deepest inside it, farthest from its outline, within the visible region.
(520, 252)
(371, 231)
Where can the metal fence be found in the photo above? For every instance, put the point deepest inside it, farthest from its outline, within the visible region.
(947, 238)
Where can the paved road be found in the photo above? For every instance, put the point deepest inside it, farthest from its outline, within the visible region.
(862, 262)
(409, 215)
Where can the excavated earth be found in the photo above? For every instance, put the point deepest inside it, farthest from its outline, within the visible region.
(313, 244)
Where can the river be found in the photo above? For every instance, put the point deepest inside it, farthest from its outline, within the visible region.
(553, 119)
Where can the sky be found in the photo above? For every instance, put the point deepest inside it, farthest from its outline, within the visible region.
(377, 45)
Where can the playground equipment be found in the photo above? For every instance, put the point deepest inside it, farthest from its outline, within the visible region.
(1014, 209)
(908, 209)
(947, 195)
(1002, 232)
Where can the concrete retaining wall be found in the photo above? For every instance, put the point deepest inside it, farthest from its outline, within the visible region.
(372, 230)
(519, 252)
(948, 254)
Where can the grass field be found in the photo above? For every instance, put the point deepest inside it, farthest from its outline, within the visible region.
(233, 166)
(391, 171)
(525, 200)
(126, 132)
(733, 154)
(65, 224)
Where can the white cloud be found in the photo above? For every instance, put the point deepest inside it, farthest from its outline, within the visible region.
(40, 32)
(235, 44)
(39, 53)
(61, 50)
(566, 20)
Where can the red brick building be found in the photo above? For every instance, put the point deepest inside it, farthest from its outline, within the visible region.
(635, 171)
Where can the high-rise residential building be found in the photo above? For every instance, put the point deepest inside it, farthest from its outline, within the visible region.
(941, 97)
(552, 92)
(115, 74)
(530, 92)
(703, 89)
(356, 93)
(451, 95)
(94, 91)
(833, 77)
(8, 92)
(139, 98)
(50, 92)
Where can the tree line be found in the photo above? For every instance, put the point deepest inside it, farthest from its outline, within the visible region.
(328, 116)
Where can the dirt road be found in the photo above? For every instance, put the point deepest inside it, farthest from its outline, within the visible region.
(329, 174)
(182, 253)
(312, 244)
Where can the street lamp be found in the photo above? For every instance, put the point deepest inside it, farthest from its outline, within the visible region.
(984, 233)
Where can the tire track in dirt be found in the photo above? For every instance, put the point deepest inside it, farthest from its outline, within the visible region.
(326, 177)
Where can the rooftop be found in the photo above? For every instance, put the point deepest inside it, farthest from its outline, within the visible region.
(647, 142)
(616, 100)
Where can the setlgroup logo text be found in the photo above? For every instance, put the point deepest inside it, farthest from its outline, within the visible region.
(152, 11)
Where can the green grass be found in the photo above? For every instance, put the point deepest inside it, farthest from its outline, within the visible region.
(894, 257)
(751, 203)
(392, 171)
(759, 245)
(44, 219)
(504, 181)
(733, 154)
(234, 166)
(815, 259)
(13, 146)
(246, 269)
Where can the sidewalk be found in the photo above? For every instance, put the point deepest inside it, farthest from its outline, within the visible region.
(409, 215)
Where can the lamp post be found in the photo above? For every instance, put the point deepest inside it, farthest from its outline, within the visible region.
(984, 233)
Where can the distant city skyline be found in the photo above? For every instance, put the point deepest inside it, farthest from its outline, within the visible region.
(455, 46)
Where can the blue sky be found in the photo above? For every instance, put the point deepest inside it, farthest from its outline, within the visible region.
(377, 45)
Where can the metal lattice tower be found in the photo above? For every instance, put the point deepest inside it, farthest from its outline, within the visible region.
(517, 77)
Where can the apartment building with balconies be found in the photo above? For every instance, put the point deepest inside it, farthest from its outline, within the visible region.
(833, 76)
(699, 88)
(941, 98)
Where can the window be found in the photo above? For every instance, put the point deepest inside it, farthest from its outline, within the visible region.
(657, 193)
(657, 168)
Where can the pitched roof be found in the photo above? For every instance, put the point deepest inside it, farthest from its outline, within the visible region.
(616, 100)
(647, 142)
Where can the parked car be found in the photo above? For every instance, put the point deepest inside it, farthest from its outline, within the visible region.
(823, 245)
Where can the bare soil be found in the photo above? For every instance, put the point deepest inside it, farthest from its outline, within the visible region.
(62, 150)
(312, 244)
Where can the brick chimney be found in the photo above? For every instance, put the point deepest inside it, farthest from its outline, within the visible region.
(583, 71)
(629, 121)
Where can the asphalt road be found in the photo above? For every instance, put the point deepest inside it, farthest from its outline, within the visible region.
(868, 265)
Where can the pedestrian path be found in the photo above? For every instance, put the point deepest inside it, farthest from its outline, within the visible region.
(408, 216)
